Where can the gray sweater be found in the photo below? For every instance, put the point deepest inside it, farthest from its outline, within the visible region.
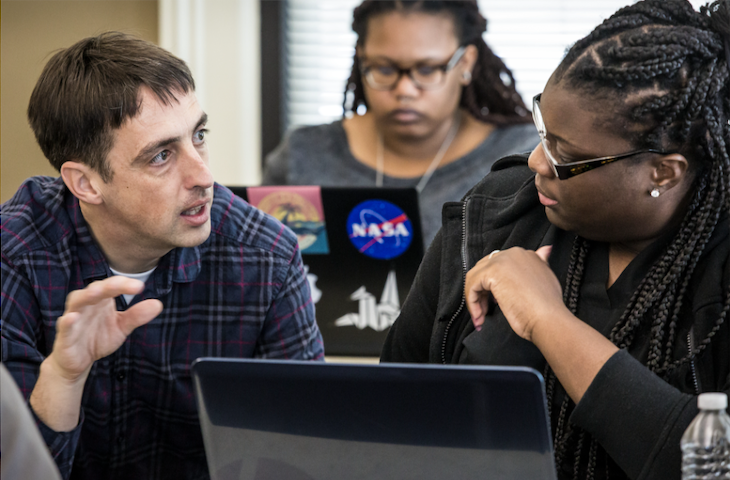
(320, 155)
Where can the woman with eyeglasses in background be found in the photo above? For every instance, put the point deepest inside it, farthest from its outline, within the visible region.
(439, 106)
(601, 260)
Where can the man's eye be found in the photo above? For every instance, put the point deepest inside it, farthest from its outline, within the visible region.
(160, 157)
(199, 136)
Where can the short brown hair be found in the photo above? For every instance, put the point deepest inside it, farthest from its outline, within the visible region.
(89, 89)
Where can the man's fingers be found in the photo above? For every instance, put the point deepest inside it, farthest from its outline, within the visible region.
(65, 323)
(95, 292)
(138, 315)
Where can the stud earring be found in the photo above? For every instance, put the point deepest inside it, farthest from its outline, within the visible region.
(655, 192)
(466, 76)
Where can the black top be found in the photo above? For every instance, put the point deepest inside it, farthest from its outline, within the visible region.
(637, 417)
(599, 307)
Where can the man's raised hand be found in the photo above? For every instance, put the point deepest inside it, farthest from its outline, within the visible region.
(91, 327)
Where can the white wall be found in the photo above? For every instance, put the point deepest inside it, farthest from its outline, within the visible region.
(529, 35)
(220, 41)
(31, 32)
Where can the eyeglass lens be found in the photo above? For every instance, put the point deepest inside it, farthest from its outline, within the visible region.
(542, 132)
(388, 76)
(424, 76)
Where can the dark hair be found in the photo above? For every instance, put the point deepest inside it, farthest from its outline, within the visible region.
(89, 89)
(665, 68)
(490, 96)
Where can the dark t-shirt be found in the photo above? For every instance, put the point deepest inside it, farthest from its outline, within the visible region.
(598, 306)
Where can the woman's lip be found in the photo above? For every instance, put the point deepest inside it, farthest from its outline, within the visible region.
(546, 201)
(405, 115)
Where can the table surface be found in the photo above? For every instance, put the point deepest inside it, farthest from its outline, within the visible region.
(343, 359)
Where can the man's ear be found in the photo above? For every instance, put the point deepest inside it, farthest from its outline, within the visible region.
(82, 181)
(669, 171)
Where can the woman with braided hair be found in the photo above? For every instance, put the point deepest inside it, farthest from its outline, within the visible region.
(440, 108)
(603, 260)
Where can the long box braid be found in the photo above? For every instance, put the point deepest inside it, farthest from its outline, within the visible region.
(669, 65)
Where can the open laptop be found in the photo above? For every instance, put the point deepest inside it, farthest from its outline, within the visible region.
(362, 255)
(285, 420)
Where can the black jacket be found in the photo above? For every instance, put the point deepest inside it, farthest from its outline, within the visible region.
(637, 417)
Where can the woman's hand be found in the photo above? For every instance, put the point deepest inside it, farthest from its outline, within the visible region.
(530, 297)
(521, 282)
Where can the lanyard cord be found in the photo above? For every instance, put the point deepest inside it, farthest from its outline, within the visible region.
(431, 168)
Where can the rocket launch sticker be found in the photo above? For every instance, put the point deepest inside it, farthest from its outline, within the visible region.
(379, 229)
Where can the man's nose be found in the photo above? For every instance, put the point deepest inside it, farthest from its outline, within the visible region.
(197, 171)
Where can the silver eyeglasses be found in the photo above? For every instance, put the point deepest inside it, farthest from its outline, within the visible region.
(565, 170)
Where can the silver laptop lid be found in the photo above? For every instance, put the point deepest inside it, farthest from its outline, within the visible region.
(265, 419)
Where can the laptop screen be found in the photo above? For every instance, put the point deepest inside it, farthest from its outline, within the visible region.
(266, 419)
(362, 247)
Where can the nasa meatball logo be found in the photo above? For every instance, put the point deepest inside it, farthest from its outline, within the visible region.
(379, 229)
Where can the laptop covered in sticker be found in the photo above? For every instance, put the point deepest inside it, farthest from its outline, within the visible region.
(361, 246)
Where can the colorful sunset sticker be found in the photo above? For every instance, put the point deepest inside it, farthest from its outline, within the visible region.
(300, 209)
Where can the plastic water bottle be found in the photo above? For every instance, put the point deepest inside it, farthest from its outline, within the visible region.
(706, 442)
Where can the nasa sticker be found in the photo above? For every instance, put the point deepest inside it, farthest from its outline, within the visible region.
(379, 229)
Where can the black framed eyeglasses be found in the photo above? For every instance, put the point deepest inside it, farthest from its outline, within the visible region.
(386, 77)
(565, 170)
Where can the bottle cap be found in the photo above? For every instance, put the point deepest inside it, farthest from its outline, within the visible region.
(712, 401)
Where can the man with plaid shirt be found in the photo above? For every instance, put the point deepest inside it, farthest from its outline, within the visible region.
(120, 273)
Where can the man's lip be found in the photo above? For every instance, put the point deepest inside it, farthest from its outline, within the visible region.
(199, 218)
(195, 205)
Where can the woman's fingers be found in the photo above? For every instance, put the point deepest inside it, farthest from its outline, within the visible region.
(477, 291)
(544, 252)
(502, 274)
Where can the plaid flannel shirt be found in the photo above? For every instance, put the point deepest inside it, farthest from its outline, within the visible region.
(242, 293)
